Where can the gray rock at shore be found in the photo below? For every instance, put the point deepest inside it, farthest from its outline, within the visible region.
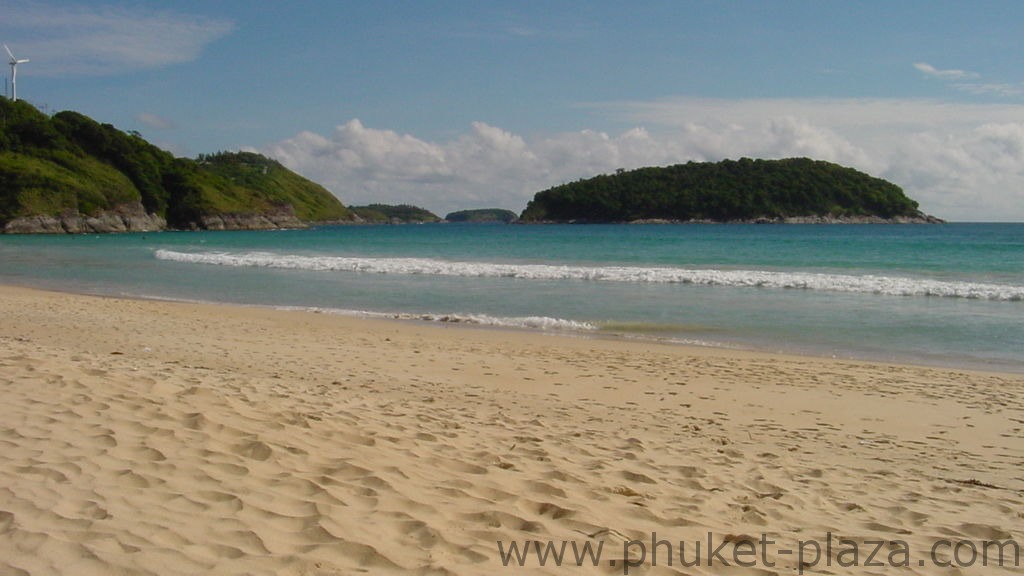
(124, 218)
(919, 219)
(825, 219)
(133, 218)
(281, 218)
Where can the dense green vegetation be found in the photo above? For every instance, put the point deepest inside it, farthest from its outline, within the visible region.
(482, 215)
(247, 179)
(723, 191)
(71, 163)
(43, 172)
(390, 214)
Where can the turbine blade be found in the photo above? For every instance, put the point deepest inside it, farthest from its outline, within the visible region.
(9, 53)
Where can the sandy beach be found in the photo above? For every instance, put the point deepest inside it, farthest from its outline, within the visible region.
(144, 437)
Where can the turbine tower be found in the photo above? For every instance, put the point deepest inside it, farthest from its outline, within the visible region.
(14, 73)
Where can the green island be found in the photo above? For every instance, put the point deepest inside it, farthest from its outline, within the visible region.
(797, 190)
(481, 215)
(69, 173)
(393, 214)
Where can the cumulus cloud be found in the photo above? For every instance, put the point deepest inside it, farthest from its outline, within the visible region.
(99, 39)
(961, 161)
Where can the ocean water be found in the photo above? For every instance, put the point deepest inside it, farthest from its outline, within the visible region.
(948, 294)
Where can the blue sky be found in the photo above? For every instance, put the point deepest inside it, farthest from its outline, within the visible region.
(475, 104)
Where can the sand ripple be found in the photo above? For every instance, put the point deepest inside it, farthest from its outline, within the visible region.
(155, 438)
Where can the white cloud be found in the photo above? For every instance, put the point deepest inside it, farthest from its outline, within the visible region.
(932, 71)
(105, 39)
(958, 77)
(366, 154)
(486, 166)
(960, 161)
(154, 121)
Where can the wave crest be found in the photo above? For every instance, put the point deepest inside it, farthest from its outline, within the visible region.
(868, 284)
(530, 322)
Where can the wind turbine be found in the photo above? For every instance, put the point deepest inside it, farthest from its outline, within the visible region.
(14, 73)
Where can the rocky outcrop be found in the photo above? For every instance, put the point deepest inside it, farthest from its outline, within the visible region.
(824, 219)
(828, 219)
(133, 218)
(281, 218)
(124, 218)
(34, 225)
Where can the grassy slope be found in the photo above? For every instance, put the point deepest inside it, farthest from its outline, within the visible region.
(32, 185)
(42, 172)
(237, 182)
(69, 162)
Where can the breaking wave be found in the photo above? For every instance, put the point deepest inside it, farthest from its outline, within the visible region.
(530, 322)
(868, 284)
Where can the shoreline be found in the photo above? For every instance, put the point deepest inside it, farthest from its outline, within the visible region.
(467, 331)
(155, 437)
(579, 329)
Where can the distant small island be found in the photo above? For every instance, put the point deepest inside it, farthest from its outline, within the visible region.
(70, 174)
(762, 191)
(393, 214)
(409, 214)
(482, 215)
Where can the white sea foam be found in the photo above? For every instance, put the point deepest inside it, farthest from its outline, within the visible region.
(530, 322)
(870, 284)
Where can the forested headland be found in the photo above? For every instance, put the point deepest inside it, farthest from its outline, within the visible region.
(69, 173)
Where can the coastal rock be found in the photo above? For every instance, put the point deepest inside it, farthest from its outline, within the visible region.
(817, 219)
(652, 221)
(124, 218)
(133, 218)
(34, 225)
(920, 218)
(822, 219)
(281, 218)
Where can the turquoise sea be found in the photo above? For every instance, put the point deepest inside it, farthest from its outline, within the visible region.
(949, 294)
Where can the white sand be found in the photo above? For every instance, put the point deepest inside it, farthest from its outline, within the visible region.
(163, 438)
